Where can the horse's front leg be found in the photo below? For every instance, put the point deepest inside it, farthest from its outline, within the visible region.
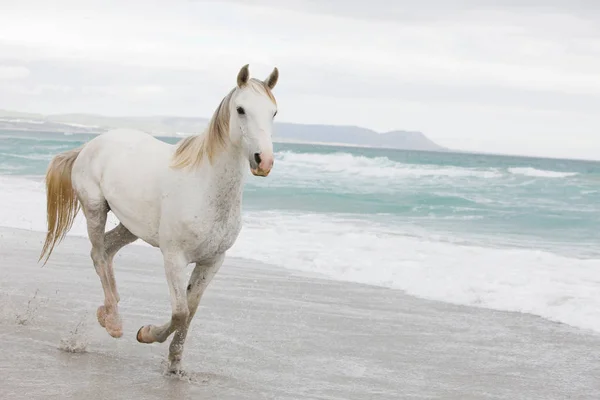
(175, 264)
(199, 280)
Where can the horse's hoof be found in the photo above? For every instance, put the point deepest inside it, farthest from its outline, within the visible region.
(176, 370)
(115, 331)
(101, 315)
(140, 335)
(110, 322)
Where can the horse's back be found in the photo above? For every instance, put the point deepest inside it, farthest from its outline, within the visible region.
(125, 168)
(122, 140)
(123, 152)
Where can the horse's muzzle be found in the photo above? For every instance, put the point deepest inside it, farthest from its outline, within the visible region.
(262, 164)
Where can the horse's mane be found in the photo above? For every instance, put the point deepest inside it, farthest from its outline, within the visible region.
(190, 151)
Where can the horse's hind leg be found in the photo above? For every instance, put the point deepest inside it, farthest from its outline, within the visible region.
(108, 315)
(114, 240)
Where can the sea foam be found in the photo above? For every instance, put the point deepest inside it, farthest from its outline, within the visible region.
(540, 173)
(374, 167)
(339, 247)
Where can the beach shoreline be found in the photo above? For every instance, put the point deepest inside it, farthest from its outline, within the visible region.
(268, 332)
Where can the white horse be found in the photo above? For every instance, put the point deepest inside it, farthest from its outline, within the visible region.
(184, 199)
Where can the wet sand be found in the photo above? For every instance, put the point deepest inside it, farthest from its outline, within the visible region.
(266, 333)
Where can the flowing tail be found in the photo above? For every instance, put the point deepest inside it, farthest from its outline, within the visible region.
(62, 204)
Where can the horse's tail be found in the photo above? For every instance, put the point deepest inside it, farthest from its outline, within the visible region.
(62, 204)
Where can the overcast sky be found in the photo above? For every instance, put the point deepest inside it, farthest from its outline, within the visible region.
(519, 78)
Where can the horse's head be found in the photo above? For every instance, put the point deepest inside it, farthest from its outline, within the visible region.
(253, 108)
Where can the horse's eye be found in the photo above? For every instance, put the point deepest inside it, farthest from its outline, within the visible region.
(275, 114)
(241, 111)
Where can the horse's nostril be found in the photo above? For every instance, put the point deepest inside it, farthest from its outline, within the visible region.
(257, 158)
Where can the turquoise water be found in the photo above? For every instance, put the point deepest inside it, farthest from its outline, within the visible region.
(508, 233)
(537, 203)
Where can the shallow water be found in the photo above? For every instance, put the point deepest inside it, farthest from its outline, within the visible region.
(506, 233)
(262, 332)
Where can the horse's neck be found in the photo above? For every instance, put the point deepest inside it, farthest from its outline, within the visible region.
(226, 177)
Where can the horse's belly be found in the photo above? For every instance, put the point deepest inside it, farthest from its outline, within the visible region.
(136, 206)
(141, 224)
(134, 198)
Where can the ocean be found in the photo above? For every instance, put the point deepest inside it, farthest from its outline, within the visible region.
(507, 233)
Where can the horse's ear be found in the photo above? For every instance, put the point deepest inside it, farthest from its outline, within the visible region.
(271, 81)
(243, 76)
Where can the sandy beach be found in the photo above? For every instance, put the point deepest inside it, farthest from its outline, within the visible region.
(262, 332)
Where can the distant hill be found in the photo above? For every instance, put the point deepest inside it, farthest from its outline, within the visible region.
(354, 135)
(182, 126)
